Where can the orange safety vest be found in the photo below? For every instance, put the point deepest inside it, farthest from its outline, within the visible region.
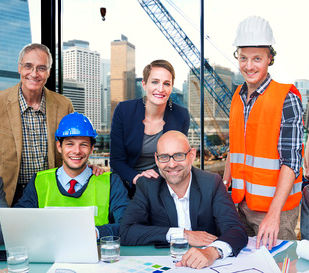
(254, 152)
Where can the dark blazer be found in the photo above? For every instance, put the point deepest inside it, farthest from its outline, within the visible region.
(3, 203)
(152, 212)
(127, 133)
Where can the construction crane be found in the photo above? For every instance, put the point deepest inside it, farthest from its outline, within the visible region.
(216, 150)
(214, 85)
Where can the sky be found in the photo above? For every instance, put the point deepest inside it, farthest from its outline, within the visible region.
(288, 19)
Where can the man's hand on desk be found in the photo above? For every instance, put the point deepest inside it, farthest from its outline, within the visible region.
(199, 238)
(199, 258)
(268, 231)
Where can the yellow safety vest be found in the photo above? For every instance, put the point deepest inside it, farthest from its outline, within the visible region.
(96, 194)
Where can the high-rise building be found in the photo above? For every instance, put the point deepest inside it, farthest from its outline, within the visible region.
(139, 90)
(303, 87)
(83, 65)
(215, 120)
(106, 94)
(177, 96)
(75, 91)
(122, 79)
(237, 79)
(225, 74)
(185, 93)
(15, 34)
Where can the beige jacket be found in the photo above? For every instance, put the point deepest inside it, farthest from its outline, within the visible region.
(57, 106)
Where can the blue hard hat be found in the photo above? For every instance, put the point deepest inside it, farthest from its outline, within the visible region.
(75, 124)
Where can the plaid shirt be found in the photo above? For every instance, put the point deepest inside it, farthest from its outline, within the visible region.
(291, 129)
(34, 151)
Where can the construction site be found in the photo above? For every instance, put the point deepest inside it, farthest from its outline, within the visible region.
(217, 94)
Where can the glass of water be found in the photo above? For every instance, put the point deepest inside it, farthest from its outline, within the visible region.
(178, 246)
(110, 249)
(17, 259)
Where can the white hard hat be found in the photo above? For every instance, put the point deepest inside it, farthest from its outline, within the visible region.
(254, 31)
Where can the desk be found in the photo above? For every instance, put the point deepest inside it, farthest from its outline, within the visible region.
(297, 265)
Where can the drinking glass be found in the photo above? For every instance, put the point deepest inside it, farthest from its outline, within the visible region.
(178, 247)
(110, 249)
(17, 259)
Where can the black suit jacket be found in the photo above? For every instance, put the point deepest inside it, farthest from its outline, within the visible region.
(127, 134)
(3, 203)
(152, 212)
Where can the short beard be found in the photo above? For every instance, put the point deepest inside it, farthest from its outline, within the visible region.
(171, 182)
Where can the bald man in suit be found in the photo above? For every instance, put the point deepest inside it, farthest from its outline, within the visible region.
(185, 201)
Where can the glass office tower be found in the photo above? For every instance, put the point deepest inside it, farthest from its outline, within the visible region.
(15, 34)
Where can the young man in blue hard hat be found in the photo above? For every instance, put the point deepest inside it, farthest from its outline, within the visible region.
(266, 131)
(73, 184)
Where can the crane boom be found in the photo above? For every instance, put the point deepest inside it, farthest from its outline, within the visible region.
(189, 53)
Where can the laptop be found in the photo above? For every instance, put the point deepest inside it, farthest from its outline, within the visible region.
(64, 235)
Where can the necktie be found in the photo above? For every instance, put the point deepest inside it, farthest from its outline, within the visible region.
(72, 185)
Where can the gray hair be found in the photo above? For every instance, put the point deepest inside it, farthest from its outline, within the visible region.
(35, 46)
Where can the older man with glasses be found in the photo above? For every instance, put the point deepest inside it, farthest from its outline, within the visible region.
(184, 201)
(29, 116)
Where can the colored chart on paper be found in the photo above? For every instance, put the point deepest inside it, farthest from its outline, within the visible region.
(133, 265)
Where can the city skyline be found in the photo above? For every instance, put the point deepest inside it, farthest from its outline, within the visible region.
(13, 38)
(288, 21)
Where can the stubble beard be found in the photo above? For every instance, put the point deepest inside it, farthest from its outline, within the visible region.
(172, 179)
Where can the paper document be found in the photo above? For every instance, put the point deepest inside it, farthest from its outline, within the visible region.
(251, 247)
(259, 261)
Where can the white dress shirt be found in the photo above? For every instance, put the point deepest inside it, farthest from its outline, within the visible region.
(184, 222)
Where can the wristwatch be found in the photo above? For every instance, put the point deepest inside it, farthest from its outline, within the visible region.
(225, 182)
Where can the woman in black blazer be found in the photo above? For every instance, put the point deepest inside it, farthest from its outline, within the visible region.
(137, 124)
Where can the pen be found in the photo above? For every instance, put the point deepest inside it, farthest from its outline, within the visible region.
(286, 265)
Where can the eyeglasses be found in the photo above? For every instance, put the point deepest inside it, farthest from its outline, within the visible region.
(178, 157)
(31, 67)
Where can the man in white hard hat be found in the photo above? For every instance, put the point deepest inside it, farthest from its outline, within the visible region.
(266, 131)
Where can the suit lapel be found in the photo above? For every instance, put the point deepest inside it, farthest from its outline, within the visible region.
(140, 126)
(15, 119)
(51, 117)
(195, 199)
(169, 204)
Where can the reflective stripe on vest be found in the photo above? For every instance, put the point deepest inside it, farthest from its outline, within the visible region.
(237, 158)
(96, 194)
(254, 154)
(268, 191)
(263, 163)
(256, 162)
(238, 184)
